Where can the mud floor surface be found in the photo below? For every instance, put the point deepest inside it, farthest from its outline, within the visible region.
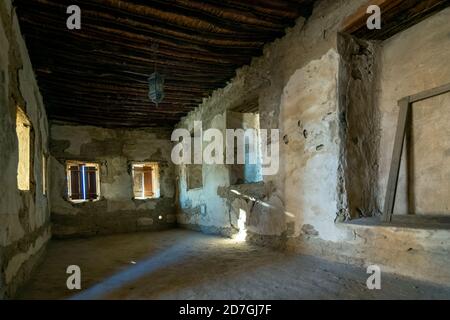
(180, 264)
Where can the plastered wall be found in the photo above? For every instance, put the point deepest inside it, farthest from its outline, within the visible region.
(24, 215)
(413, 61)
(296, 85)
(114, 150)
(336, 119)
(333, 98)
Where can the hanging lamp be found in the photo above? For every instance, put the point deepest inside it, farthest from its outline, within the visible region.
(156, 82)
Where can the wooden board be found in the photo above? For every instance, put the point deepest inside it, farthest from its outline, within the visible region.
(405, 105)
(395, 162)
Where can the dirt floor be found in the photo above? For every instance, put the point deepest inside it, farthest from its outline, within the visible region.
(180, 264)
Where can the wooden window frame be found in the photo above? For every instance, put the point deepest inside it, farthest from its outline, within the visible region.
(69, 182)
(405, 105)
(155, 177)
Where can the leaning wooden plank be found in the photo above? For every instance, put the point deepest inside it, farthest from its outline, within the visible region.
(430, 93)
(396, 158)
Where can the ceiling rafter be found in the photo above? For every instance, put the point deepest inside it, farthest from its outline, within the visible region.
(98, 75)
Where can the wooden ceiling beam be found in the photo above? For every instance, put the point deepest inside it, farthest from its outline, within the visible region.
(62, 110)
(38, 20)
(116, 23)
(198, 18)
(107, 122)
(74, 84)
(115, 100)
(170, 52)
(397, 15)
(125, 61)
(98, 75)
(126, 111)
(276, 10)
(194, 80)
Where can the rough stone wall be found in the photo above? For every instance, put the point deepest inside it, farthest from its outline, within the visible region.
(411, 62)
(24, 215)
(114, 150)
(360, 124)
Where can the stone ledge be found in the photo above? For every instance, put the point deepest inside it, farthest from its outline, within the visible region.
(421, 253)
(433, 222)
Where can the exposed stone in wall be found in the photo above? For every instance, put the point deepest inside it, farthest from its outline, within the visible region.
(93, 218)
(360, 125)
(115, 150)
(24, 215)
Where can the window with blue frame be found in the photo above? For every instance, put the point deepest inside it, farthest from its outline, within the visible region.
(83, 181)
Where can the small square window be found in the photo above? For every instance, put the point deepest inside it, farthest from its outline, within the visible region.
(146, 180)
(250, 171)
(83, 181)
(194, 176)
(194, 172)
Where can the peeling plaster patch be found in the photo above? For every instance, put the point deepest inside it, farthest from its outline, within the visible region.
(147, 205)
(311, 177)
(16, 262)
(10, 229)
(76, 139)
(114, 206)
(309, 230)
(145, 222)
